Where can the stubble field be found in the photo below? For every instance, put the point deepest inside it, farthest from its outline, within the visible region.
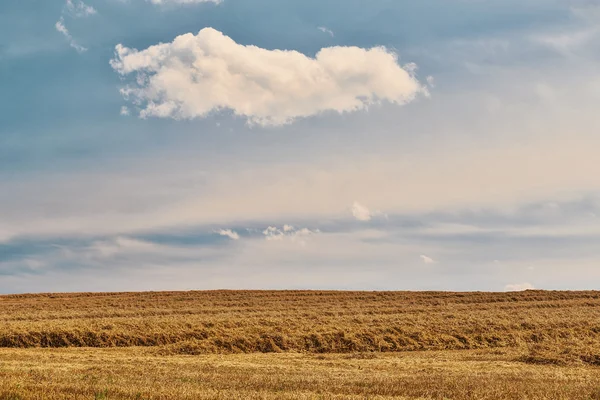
(300, 345)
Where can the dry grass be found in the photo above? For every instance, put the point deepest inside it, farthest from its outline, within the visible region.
(325, 345)
(138, 373)
(321, 322)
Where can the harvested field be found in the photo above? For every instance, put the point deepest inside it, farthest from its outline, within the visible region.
(329, 345)
(317, 322)
(138, 373)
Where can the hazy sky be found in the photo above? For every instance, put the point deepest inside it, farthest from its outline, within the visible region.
(340, 144)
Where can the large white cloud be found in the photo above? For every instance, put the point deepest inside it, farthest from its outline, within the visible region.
(198, 74)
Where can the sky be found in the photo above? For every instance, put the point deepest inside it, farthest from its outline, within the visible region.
(301, 144)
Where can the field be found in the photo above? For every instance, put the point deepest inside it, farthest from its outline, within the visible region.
(300, 345)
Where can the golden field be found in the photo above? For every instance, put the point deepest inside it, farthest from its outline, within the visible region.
(300, 345)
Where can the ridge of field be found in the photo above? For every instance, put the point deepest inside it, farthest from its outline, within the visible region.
(563, 324)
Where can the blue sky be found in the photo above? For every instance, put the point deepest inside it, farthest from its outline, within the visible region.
(389, 145)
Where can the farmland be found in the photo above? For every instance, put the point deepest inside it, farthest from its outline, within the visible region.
(300, 344)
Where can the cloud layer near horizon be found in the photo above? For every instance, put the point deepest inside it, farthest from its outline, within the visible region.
(196, 75)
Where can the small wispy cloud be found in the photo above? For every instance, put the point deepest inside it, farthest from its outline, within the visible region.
(326, 30)
(73, 9)
(360, 212)
(290, 232)
(229, 233)
(60, 27)
(78, 9)
(124, 111)
(427, 260)
(518, 287)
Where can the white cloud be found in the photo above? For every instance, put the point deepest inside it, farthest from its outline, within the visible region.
(74, 9)
(60, 27)
(78, 9)
(196, 75)
(288, 228)
(361, 212)
(427, 260)
(273, 233)
(124, 111)
(518, 287)
(229, 233)
(326, 30)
